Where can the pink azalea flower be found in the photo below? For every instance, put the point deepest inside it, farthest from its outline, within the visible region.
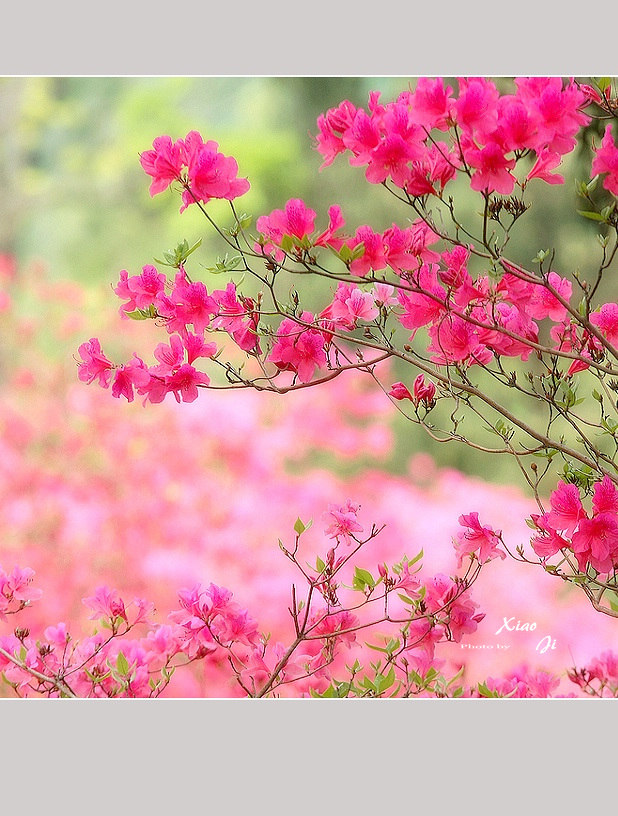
(476, 109)
(479, 539)
(398, 245)
(164, 163)
(544, 304)
(606, 161)
(432, 105)
(517, 124)
(329, 237)
(607, 321)
(605, 496)
(400, 392)
(546, 162)
(210, 173)
(17, 585)
(133, 374)
(566, 508)
(95, 364)
(170, 357)
(492, 169)
(547, 541)
(374, 256)
(184, 382)
(106, 603)
(423, 392)
(341, 521)
(596, 542)
(455, 340)
(390, 158)
(361, 138)
(142, 289)
(331, 127)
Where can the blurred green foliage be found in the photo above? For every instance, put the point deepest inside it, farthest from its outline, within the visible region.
(73, 194)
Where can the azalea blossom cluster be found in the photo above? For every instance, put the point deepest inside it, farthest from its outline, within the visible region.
(567, 528)
(445, 300)
(153, 502)
(210, 625)
(491, 132)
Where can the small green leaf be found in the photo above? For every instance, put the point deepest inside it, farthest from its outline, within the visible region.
(591, 215)
(122, 664)
(299, 527)
(140, 314)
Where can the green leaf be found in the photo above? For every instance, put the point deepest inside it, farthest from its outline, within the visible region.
(122, 664)
(299, 527)
(287, 244)
(603, 83)
(591, 215)
(140, 314)
(363, 578)
(590, 187)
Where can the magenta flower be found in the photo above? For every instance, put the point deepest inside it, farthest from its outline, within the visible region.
(478, 539)
(106, 603)
(546, 162)
(17, 585)
(605, 496)
(331, 127)
(374, 255)
(341, 521)
(298, 349)
(423, 392)
(140, 290)
(607, 321)
(606, 161)
(492, 169)
(476, 109)
(133, 374)
(432, 105)
(400, 392)
(566, 508)
(184, 383)
(296, 220)
(164, 163)
(596, 542)
(210, 173)
(170, 357)
(547, 541)
(95, 364)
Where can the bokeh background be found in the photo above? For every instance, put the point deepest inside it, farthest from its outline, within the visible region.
(75, 211)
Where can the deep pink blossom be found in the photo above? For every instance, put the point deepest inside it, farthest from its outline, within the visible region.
(476, 538)
(546, 162)
(374, 255)
(184, 382)
(605, 496)
(606, 320)
(164, 163)
(492, 169)
(424, 392)
(432, 103)
(133, 374)
(566, 508)
(606, 161)
(298, 348)
(95, 365)
(400, 392)
(476, 108)
(210, 173)
(596, 542)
